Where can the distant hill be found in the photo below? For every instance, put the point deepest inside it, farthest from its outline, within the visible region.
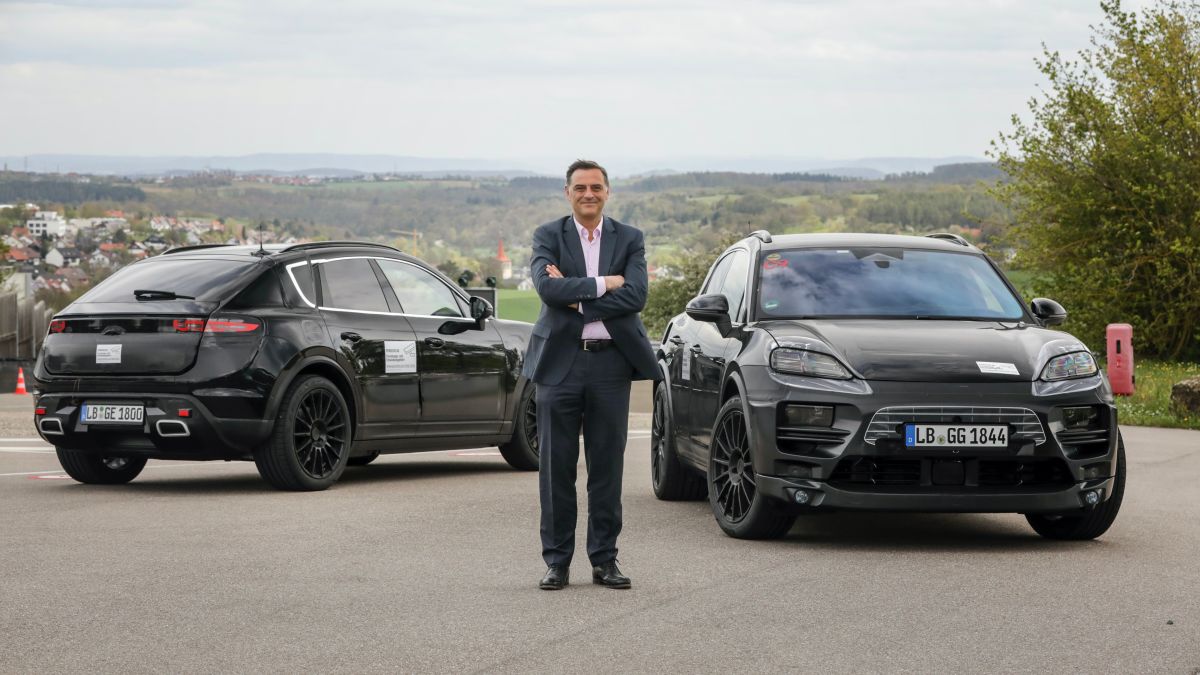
(345, 165)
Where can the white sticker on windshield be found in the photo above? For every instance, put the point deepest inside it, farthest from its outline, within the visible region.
(400, 356)
(108, 353)
(997, 368)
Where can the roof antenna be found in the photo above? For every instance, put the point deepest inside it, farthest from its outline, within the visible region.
(261, 251)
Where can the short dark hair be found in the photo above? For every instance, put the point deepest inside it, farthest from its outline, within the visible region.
(585, 164)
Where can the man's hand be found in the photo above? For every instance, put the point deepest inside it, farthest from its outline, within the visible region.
(612, 283)
(552, 270)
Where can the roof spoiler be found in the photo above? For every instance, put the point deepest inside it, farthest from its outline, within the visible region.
(948, 236)
(762, 235)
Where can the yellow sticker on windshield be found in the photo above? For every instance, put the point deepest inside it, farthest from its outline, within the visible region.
(774, 261)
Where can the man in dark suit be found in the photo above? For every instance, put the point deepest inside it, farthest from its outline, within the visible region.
(587, 346)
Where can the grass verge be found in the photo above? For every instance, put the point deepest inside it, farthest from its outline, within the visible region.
(1150, 404)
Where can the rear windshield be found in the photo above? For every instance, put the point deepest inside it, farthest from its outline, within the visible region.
(211, 279)
(882, 283)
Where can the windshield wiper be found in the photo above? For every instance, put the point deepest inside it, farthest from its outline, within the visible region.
(146, 294)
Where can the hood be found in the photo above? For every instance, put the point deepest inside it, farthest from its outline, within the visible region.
(932, 351)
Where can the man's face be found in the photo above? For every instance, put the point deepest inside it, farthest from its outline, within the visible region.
(587, 193)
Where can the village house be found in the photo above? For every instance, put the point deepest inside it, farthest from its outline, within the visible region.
(46, 223)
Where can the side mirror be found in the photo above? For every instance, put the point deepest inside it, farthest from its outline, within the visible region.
(1049, 312)
(712, 308)
(481, 309)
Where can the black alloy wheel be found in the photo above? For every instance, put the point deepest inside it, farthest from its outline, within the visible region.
(521, 452)
(319, 433)
(1088, 524)
(310, 443)
(670, 479)
(740, 509)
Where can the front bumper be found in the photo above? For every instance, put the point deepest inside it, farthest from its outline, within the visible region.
(819, 494)
(163, 433)
(838, 468)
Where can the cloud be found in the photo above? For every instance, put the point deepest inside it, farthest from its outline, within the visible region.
(481, 78)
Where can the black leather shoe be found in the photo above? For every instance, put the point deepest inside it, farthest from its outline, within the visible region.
(556, 577)
(608, 575)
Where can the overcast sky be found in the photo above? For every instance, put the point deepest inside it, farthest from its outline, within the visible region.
(516, 79)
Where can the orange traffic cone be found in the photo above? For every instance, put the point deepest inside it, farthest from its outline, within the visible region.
(21, 382)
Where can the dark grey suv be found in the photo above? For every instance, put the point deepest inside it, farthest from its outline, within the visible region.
(879, 372)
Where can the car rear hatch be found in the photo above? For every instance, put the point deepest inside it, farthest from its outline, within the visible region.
(148, 319)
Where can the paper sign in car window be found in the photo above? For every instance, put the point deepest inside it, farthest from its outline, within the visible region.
(399, 356)
(774, 261)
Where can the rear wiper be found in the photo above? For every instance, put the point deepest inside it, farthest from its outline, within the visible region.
(144, 294)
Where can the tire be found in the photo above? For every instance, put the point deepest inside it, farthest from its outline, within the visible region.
(521, 452)
(310, 442)
(1092, 523)
(95, 469)
(741, 510)
(363, 460)
(671, 480)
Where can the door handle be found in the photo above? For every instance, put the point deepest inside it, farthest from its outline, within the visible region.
(434, 342)
(696, 349)
(676, 340)
(351, 337)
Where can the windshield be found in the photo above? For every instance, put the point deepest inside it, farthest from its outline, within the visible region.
(882, 282)
(206, 279)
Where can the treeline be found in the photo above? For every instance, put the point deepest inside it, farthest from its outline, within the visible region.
(725, 179)
(23, 190)
(969, 172)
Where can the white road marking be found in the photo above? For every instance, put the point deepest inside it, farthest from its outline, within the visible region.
(157, 466)
(32, 450)
(22, 440)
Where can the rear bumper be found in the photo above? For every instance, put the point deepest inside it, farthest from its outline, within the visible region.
(821, 495)
(163, 433)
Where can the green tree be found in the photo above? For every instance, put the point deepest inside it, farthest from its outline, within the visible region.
(668, 297)
(1105, 178)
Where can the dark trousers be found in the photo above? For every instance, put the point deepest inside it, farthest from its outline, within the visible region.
(594, 396)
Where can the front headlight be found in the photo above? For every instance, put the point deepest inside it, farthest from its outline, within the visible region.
(1069, 367)
(804, 362)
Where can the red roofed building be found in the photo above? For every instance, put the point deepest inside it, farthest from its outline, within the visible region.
(505, 263)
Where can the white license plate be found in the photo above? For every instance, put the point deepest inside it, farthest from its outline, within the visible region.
(956, 435)
(108, 413)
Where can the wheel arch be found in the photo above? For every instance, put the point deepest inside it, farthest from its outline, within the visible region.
(326, 367)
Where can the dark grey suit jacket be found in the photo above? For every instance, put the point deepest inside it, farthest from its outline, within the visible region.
(556, 335)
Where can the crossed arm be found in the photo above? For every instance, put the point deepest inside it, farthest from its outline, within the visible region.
(556, 291)
(630, 298)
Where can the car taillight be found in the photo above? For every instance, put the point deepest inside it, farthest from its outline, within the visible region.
(228, 325)
(58, 326)
(189, 325)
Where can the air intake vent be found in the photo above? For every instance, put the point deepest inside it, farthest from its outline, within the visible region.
(877, 471)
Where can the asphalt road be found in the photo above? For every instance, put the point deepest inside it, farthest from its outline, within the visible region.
(430, 562)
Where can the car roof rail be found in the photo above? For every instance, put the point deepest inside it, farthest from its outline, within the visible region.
(193, 247)
(321, 244)
(949, 236)
(762, 235)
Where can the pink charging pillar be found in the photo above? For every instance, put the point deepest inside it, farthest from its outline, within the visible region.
(1120, 358)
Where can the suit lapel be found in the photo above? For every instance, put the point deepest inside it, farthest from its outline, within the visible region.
(608, 242)
(571, 243)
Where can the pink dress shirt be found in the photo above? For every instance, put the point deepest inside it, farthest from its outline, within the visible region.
(591, 255)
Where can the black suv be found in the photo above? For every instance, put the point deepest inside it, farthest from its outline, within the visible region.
(880, 372)
(304, 358)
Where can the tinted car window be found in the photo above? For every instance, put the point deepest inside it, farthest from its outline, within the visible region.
(734, 287)
(882, 282)
(262, 292)
(351, 284)
(419, 291)
(301, 280)
(210, 279)
(717, 277)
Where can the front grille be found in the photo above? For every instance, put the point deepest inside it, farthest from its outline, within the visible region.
(807, 440)
(1031, 472)
(1084, 443)
(877, 471)
(935, 473)
(888, 423)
